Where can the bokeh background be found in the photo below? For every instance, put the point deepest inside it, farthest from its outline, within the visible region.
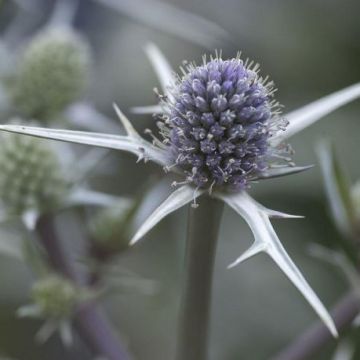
(310, 48)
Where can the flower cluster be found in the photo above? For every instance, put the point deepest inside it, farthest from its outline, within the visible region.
(54, 299)
(30, 174)
(55, 296)
(219, 119)
(52, 73)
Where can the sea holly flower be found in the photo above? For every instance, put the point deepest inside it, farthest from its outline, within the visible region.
(221, 129)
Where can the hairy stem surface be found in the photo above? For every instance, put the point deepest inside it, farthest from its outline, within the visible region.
(203, 228)
(91, 324)
(313, 339)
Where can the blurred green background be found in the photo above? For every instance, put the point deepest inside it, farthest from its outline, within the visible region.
(309, 48)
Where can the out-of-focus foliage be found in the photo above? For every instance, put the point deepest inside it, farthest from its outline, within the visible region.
(110, 228)
(342, 201)
(355, 195)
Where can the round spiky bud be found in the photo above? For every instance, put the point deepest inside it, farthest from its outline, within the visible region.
(52, 73)
(30, 176)
(55, 296)
(110, 229)
(218, 123)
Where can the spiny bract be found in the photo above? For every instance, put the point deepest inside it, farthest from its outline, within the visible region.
(30, 177)
(218, 121)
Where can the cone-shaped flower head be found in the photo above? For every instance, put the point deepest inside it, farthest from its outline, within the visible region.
(30, 177)
(52, 73)
(219, 119)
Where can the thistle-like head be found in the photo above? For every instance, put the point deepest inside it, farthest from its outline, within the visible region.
(218, 123)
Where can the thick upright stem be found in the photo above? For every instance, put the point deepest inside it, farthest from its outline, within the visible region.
(313, 339)
(92, 326)
(203, 228)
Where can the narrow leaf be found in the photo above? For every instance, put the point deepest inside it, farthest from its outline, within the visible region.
(165, 75)
(144, 110)
(337, 188)
(86, 197)
(307, 115)
(66, 334)
(281, 215)
(345, 350)
(276, 214)
(30, 311)
(30, 218)
(161, 66)
(170, 19)
(176, 200)
(340, 260)
(46, 331)
(130, 130)
(265, 235)
(283, 171)
(139, 147)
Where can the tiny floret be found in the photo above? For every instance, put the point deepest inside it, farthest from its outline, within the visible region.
(218, 122)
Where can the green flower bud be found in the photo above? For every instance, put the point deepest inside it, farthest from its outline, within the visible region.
(52, 73)
(110, 229)
(30, 176)
(55, 296)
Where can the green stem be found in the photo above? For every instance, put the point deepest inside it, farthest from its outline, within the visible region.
(203, 228)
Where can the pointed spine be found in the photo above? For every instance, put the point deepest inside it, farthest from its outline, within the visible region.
(130, 130)
(176, 199)
(258, 220)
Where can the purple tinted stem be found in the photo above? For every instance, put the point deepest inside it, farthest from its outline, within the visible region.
(313, 339)
(91, 324)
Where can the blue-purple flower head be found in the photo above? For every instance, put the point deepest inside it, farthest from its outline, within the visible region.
(219, 121)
